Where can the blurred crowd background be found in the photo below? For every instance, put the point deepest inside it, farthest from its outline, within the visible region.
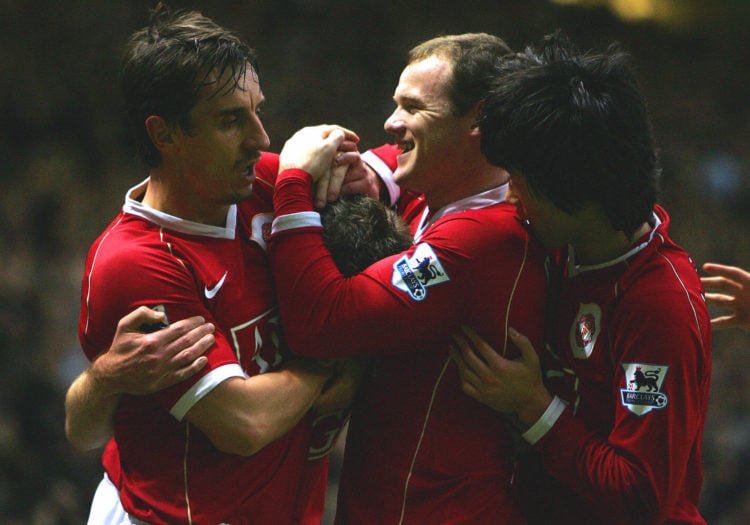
(67, 162)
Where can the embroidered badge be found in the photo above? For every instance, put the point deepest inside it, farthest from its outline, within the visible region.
(261, 228)
(585, 329)
(643, 387)
(415, 274)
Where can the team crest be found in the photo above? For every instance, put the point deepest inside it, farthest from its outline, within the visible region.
(585, 330)
(415, 274)
(261, 228)
(643, 387)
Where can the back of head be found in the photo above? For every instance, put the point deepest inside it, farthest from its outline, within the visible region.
(473, 56)
(575, 126)
(359, 231)
(166, 64)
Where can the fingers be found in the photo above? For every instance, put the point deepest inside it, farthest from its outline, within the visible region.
(730, 272)
(724, 322)
(321, 190)
(485, 350)
(528, 354)
(143, 315)
(720, 300)
(721, 284)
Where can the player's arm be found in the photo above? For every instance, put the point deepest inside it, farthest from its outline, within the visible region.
(634, 467)
(136, 363)
(243, 415)
(730, 290)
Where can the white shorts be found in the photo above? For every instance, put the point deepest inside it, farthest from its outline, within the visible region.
(106, 508)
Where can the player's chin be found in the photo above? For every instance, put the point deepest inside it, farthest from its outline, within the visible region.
(241, 194)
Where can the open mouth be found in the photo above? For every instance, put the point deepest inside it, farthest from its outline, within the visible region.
(406, 146)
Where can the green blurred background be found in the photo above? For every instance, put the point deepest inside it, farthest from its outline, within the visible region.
(66, 163)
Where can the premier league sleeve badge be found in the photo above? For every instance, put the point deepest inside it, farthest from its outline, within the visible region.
(643, 387)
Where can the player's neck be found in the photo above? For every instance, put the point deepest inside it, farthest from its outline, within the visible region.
(471, 181)
(599, 242)
(163, 195)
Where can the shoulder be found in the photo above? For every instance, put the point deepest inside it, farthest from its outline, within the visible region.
(498, 223)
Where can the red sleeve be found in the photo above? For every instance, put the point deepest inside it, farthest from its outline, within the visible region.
(650, 461)
(383, 309)
(128, 278)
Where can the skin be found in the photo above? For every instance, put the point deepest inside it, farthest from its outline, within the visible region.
(211, 166)
(731, 291)
(437, 145)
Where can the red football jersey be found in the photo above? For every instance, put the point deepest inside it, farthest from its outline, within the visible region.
(168, 471)
(632, 360)
(417, 446)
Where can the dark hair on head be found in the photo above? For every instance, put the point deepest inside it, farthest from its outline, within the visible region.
(359, 231)
(168, 62)
(575, 126)
(473, 56)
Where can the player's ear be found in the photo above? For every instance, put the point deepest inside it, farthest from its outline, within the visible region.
(475, 114)
(159, 131)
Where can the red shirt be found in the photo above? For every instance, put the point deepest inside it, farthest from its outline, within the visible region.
(417, 446)
(166, 469)
(633, 345)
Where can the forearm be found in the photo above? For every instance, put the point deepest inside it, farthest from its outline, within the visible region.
(241, 416)
(609, 477)
(89, 413)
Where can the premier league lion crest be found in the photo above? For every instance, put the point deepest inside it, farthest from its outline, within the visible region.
(414, 274)
(643, 387)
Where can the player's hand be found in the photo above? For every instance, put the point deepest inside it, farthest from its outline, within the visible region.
(315, 149)
(511, 386)
(141, 363)
(340, 390)
(361, 178)
(731, 291)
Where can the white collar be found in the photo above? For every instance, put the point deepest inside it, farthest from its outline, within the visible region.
(136, 207)
(473, 202)
(575, 269)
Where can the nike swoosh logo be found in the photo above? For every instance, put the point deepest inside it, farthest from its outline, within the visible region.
(211, 292)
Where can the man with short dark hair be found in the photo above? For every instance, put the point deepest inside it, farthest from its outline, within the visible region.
(618, 428)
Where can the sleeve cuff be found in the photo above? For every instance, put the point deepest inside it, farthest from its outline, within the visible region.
(294, 221)
(384, 172)
(204, 385)
(539, 429)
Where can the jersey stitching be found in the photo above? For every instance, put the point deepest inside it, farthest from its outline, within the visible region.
(91, 272)
(421, 437)
(684, 289)
(185, 474)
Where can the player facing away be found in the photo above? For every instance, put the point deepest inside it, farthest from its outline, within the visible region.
(616, 429)
(418, 450)
(231, 444)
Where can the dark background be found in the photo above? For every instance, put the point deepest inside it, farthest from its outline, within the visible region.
(66, 163)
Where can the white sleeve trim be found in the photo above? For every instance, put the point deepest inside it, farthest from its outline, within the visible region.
(293, 221)
(544, 423)
(204, 385)
(385, 174)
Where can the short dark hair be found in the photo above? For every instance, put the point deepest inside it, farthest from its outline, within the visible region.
(575, 126)
(166, 64)
(359, 231)
(473, 56)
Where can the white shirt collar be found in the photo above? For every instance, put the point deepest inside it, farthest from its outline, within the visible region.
(136, 207)
(575, 269)
(472, 202)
